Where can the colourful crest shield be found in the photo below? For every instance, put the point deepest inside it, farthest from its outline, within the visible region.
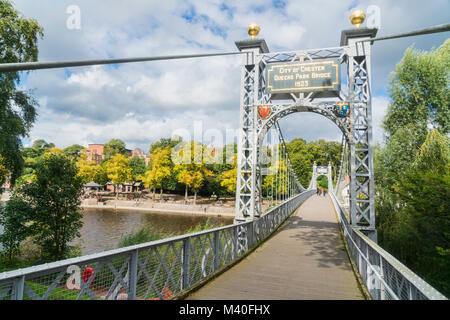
(264, 112)
(342, 109)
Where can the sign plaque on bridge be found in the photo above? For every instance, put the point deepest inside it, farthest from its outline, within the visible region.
(303, 76)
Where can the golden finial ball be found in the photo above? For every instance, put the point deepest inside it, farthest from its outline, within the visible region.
(253, 30)
(357, 18)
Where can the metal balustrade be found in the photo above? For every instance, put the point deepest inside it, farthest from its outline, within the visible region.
(156, 270)
(384, 276)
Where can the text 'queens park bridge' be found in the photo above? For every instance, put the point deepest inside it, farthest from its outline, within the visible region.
(316, 246)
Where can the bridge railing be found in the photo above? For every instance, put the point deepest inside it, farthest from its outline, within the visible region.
(151, 271)
(384, 276)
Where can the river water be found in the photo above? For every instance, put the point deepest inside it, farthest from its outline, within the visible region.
(103, 228)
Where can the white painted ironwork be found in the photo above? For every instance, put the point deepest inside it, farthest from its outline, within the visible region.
(354, 57)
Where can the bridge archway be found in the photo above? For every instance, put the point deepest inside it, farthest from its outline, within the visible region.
(352, 62)
(321, 171)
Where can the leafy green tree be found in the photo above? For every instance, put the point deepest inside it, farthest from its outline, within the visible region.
(113, 147)
(3, 174)
(73, 151)
(18, 43)
(14, 217)
(42, 144)
(164, 143)
(137, 165)
(419, 91)
(412, 169)
(419, 232)
(322, 182)
(31, 157)
(303, 155)
(53, 201)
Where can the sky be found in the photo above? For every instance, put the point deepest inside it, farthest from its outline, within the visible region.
(143, 102)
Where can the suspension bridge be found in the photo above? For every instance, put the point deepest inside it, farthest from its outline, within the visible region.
(306, 246)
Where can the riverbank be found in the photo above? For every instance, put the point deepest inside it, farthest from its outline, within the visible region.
(160, 208)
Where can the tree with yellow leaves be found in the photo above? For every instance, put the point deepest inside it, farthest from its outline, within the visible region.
(161, 170)
(88, 170)
(191, 167)
(228, 178)
(118, 170)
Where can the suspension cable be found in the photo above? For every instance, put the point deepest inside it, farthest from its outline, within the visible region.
(27, 66)
(434, 29)
(282, 141)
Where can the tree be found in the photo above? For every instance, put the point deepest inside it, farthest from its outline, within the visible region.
(412, 179)
(419, 233)
(118, 171)
(14, 217)
(74, 151)
(190, 166)
(303, 155)
(113, 147)
(228, 178)
(89, 171)
(191, 178)
(3, 174)
(31, 157)
(161, 169)
(42, 144)
(165, 143)
(419, 91)
(18, 43)
(53, 201)
(137, 166)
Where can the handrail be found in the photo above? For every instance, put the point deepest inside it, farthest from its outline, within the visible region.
(153, 270)
(384, 276)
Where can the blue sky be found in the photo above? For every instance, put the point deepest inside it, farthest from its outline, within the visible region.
(143, 102)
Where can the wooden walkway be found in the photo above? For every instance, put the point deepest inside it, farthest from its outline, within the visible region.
(304, 260)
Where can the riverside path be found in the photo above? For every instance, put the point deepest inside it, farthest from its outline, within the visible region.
(304, 259)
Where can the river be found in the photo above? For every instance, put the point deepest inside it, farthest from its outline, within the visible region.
(103, 228)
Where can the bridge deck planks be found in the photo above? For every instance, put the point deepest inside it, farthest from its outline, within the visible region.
(304, 260)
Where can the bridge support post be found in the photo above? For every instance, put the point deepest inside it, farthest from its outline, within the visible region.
(362, 194)
(186, 256)
(132, 275)
(216, 250)
(247, 197)
(19, 284)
